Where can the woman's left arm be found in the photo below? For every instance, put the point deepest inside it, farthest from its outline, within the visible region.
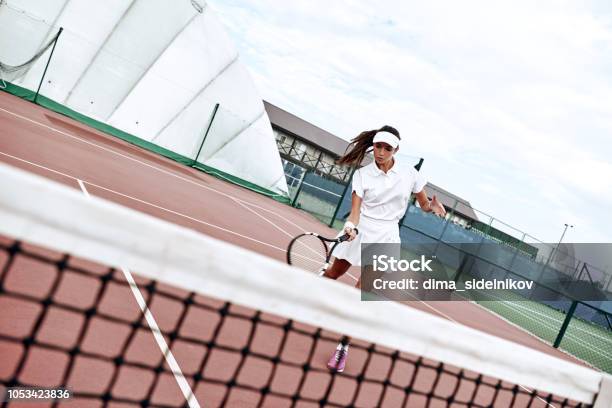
(434, 205)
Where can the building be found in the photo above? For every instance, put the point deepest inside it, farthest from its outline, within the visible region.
(305, 147)
(302, 144)
(114, 69)
(462, 212)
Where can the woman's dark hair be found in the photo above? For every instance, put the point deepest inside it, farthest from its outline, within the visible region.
(359, 146)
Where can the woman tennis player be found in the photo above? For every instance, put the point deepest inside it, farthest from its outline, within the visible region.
(381, 191)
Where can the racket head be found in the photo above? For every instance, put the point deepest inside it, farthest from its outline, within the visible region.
(309, 252)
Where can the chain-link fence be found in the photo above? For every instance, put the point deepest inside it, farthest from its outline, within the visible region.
(551, 310)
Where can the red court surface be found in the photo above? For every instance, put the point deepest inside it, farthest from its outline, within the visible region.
(43, 142)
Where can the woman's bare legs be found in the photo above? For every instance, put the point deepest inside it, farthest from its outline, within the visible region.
(338, 359)
(337, 269)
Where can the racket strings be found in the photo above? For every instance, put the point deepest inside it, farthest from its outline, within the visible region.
(311, 244)
(308, 252)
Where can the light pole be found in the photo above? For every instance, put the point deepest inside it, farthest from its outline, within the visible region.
(560, 239)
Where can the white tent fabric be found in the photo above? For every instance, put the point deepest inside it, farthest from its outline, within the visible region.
(152, 68)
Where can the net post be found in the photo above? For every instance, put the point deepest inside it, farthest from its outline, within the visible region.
(42, 78)
(210, 122)
(419, 164)
(566, 322)
(346, 187)
(604, 397)
(297, 193)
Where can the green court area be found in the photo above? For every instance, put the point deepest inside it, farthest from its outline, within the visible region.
(321, 209)
(589, 341)
(586, 340)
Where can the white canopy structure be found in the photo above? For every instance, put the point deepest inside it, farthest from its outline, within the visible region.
(155, 69)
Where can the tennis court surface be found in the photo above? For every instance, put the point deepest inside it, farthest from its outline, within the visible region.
(125, 309)
(148, 306)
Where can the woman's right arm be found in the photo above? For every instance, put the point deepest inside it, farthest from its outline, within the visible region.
(353, 218)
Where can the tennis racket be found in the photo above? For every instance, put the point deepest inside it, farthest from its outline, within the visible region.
(310, 251)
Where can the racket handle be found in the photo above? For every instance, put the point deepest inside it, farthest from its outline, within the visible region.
(323, 269)
(347, 236)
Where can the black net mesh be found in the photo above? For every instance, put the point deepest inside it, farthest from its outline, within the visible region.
(10, 72)
(71, 323)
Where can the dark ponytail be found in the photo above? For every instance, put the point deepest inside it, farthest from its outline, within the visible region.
(359, 146)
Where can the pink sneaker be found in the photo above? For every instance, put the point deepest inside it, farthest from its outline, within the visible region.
(337, 361)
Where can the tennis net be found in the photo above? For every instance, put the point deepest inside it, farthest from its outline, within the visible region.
(126, 310)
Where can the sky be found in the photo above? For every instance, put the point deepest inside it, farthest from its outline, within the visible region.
(509, 103)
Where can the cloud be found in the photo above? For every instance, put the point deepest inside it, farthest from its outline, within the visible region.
(510, 103)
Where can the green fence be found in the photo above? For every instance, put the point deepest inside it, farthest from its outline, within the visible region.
(549, 310)
(583, 329)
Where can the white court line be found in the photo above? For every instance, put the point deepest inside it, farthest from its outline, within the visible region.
(299, 227)
(147, 165)
(83, 189)
(273, 224)
(434, 309)
(161, 343)
(147, 203)
(263, 218)
(159, 338)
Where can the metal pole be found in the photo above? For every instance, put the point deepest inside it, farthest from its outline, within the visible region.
(316, 166)
(575, 274)
(210, 122)
(47, 66)
(555, 248)
(419, 164)
(566, 322)
(543, 269)
(297, 193)
(346, 187)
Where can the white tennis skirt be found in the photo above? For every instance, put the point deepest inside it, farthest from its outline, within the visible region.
(371, 231)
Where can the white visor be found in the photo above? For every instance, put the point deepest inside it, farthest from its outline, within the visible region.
(386, 137)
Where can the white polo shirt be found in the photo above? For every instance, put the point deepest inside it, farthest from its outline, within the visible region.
(385, 195)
